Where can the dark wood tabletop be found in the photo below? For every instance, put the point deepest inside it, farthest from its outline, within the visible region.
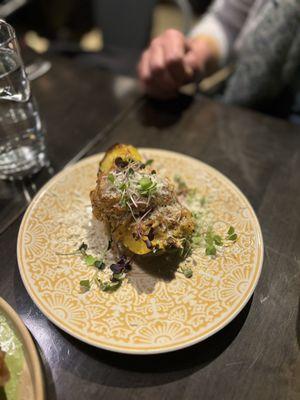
(257, 355)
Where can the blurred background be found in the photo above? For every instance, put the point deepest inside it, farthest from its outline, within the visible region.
(109, 34)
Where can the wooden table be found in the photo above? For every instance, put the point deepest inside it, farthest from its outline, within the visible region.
(257, 355)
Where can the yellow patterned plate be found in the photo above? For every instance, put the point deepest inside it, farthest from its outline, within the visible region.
(21, 358)
(150, 313)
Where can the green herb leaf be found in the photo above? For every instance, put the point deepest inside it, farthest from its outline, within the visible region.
(146, 186)
(210, 250)
(148, 162)
(123, 186)
(108, 286)
(90, 260)
(130, 171)
(119, 277)
(218, 240)
(111, 178)
(99, 264)
(85, 285)
(187, 272)
(230, 231)
(209, 238)
(232, 237)
(145, 183)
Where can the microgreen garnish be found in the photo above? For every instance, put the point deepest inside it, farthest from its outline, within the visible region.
(231, 235)
(122, 265)
(148, 162)
(118, 277)
(187, 272)
(111, 178)
(147, 186)
(90, 260)
(85, 285)
(99, 264)
(109, 286)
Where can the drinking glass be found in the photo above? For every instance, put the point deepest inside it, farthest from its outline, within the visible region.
(22, 146)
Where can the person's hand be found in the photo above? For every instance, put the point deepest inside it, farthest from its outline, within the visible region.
(173, 60)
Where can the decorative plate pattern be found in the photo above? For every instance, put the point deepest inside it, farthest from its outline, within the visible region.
(148, 314)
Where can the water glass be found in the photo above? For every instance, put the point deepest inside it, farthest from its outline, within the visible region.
(22, 146)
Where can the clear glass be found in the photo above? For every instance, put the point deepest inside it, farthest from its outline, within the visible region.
(22, 147)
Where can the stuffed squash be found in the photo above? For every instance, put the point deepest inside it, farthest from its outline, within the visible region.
(139, 206)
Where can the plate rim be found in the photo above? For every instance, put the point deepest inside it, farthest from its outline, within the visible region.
(145, 351)
(29, 347)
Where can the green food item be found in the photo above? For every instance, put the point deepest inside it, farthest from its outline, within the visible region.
(119, 277)
(232, 237)
(85, 285)
(230, 231)
(109, 286)
(210, 250)
(89, 260)
(146, 186)
(111, 178)
(14, 358)
(99, 264)
(187, 272)
(148, 162)
(218, 240)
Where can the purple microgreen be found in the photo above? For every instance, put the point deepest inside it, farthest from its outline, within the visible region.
(151, 234)
(117, 268)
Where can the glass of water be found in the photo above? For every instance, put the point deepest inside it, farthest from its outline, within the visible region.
(22, 147)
